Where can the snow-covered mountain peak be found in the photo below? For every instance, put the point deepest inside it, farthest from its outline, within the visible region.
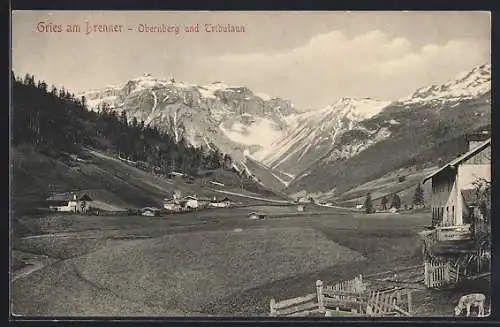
(466, 85)
(356, 109)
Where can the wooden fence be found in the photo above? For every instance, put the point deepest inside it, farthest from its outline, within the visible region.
(346, 298)
(440, 274)
(295, 307)
(396, 301)
(354, 285)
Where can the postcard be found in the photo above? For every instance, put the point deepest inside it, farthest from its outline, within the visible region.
(250, 164)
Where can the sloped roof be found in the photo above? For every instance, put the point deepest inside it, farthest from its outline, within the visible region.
(460, 159)
(68, 196)
(150, 209)
(258, 213)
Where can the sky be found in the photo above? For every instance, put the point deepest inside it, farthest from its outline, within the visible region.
(309, 58)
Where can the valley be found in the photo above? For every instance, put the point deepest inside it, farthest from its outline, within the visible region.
(306, 173)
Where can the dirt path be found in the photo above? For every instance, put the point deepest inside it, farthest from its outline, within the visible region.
(26, 271)
(251, 197)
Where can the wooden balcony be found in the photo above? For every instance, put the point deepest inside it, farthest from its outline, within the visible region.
(448, 239)
(454, 233)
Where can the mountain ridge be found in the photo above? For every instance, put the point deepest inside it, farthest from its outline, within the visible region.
(288, 141)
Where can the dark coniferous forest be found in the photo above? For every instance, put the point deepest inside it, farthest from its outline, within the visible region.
(55, 120)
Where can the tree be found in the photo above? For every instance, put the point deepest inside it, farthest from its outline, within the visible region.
(384, 202)
(84, 101)
(396, 201)
(58, 120)
(418, 197)
(482, 189)
(227, 161)
(368, 203)
(53, 90)
(480, 257)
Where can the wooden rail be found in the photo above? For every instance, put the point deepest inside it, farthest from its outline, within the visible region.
(294, 305)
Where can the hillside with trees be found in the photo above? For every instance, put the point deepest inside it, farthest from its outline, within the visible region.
(55, 120)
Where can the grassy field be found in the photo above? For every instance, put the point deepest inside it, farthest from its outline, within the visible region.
(215, 262)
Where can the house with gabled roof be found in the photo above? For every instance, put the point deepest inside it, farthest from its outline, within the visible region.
(456, 220)
(70, 202)
(452, 184)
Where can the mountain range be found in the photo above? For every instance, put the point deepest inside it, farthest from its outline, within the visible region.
(322, 152)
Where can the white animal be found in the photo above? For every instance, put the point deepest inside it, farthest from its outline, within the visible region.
(471, 300)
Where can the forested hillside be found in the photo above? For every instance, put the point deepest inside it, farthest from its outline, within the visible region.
(56, 121)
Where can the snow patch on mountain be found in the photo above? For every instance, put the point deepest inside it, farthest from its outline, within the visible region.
(262, 132)
(155, 101)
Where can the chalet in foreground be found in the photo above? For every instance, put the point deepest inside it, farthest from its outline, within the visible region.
(456, 219)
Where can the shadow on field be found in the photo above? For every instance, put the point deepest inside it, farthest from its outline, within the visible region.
(383, 249)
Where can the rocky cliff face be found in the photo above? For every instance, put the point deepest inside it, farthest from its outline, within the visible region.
(231, 118)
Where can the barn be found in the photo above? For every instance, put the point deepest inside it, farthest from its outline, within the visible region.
(257, 215)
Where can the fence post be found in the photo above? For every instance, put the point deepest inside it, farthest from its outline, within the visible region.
(319, 293)
(426, 273)
(272, 307)
(409, 303)
(447, 272)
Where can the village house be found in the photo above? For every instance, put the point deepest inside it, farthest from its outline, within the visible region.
(455, 217)
(190, 202)
(70, 202)
(220, 203)
(172, 201)
(257, 215)
(150, 212)
(175, 174)
(172, 204)
(204, 202)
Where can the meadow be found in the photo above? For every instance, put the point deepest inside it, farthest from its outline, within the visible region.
(214, 262)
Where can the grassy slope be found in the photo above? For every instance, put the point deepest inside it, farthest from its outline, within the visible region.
(387, 185)
(35, 175)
